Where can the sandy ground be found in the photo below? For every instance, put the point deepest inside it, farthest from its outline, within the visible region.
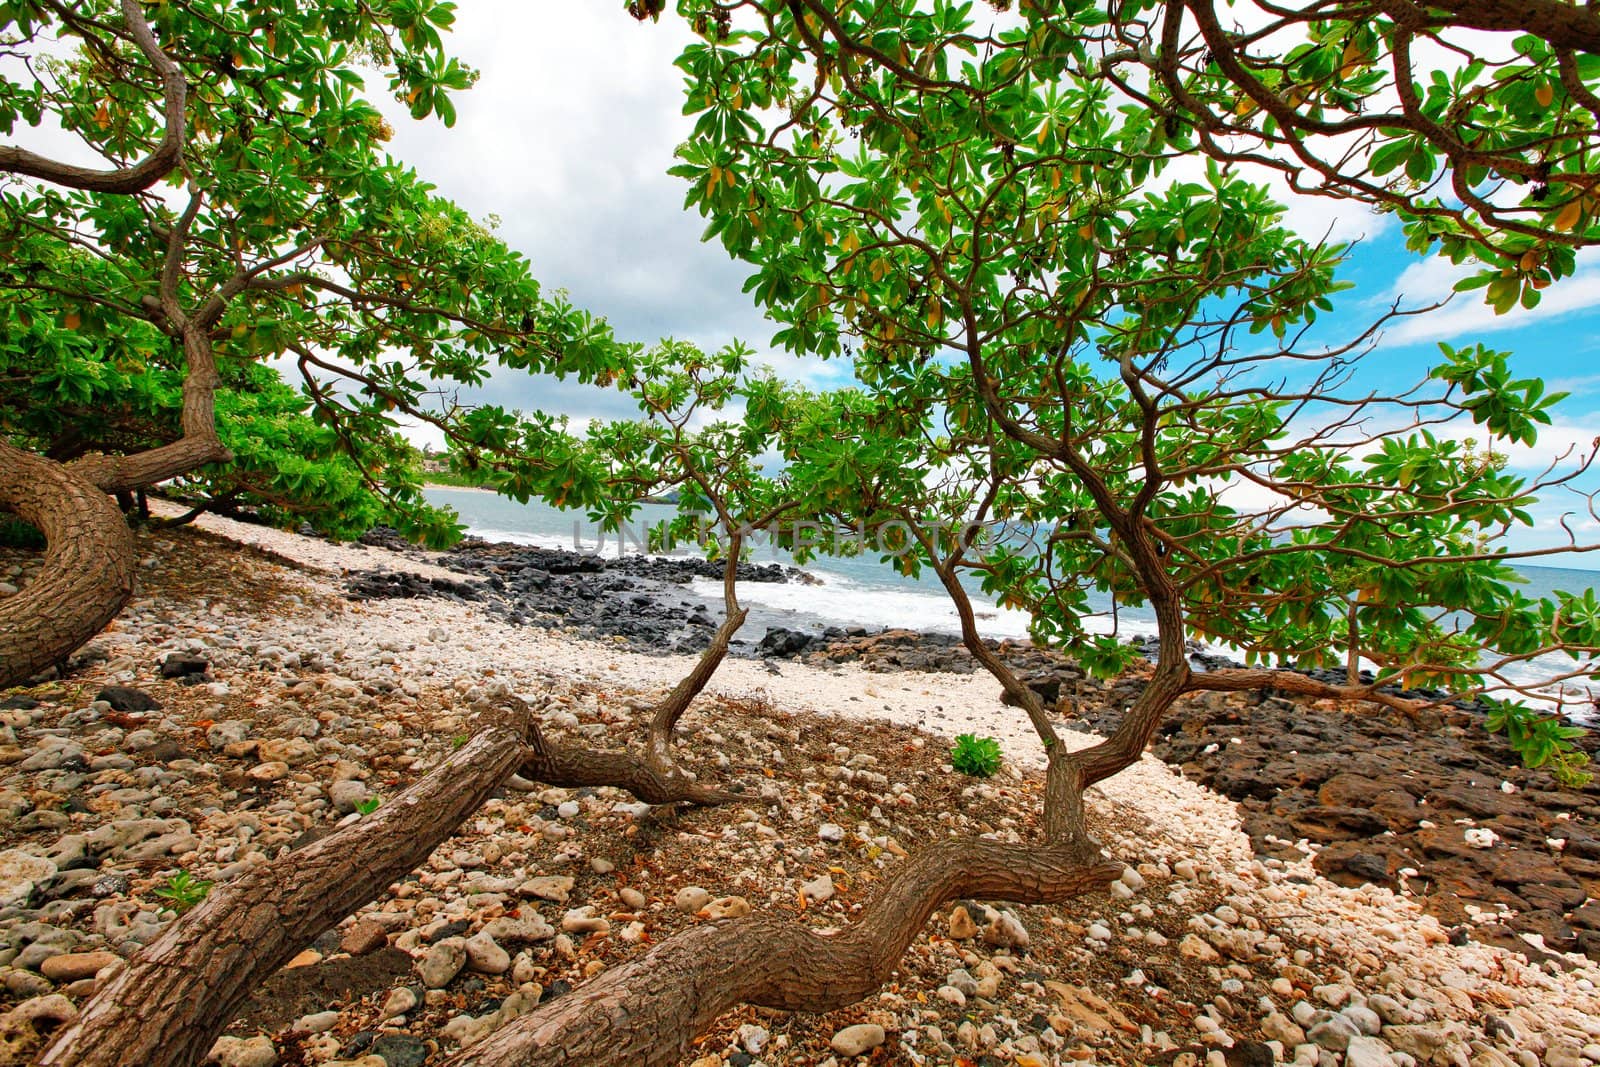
(944, 704)
(1379, 938)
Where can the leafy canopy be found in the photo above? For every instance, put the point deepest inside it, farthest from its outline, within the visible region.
(1131, 380)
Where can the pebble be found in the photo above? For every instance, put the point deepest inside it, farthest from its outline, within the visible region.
(1333, 1033)
(726, 908)
(19, 872)
(317, 1023)
(244, 1052)
(554, 888)
(363, 938)
(272, 771)
(858, 1040)
(72, 966)
(1005, 930)
(399, 1001)
(819, 888)
(691, 899)
(485, 956)
(348, 796)
(442, 962)
(752, 1038)
(1365, 1051)
(584, 921)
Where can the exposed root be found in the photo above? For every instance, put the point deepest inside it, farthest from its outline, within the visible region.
(648, 1012)
(654, 784)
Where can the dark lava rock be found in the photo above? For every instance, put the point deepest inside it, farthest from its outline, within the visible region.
(1249, 1054)
(179, 665)
(1382, 794)
(18, 703)
(400, 1050)
(121, 698)
(110, 885)
(388, 585)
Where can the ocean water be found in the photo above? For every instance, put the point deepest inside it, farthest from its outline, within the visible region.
(862, 591)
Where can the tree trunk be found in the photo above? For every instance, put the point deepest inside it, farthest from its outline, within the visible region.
(88, 568)
(167, 1006)
(664, 718)
(573, 768)
(646, 1013)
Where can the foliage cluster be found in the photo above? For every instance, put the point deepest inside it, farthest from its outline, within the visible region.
(977, 757)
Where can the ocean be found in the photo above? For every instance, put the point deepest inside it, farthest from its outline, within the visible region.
(861, 590)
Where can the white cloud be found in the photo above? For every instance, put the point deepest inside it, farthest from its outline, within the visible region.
(1428, 281)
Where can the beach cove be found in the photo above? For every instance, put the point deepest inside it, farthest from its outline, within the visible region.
(301, 705)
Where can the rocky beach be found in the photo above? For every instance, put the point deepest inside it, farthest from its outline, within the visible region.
(1305, 883)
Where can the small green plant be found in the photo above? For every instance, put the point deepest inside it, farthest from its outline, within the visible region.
(976, 756)
(458, 740)
(183, 891)
(369, 805)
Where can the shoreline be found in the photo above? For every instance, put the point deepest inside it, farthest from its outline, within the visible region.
(309, 698)
(898, 677)
(679, 615)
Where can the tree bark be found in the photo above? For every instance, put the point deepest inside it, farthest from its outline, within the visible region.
(138, 176)
(664, 718)
(573, 768)
(199, 444)
(646, 1013)
(88, 569)
(167, 1006)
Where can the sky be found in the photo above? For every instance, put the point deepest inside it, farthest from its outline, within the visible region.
(570, 130)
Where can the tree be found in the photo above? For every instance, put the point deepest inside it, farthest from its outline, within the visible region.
(1038, 339)
(285, 467)
(1476, 121)
(1041, 340)
(245, 212)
